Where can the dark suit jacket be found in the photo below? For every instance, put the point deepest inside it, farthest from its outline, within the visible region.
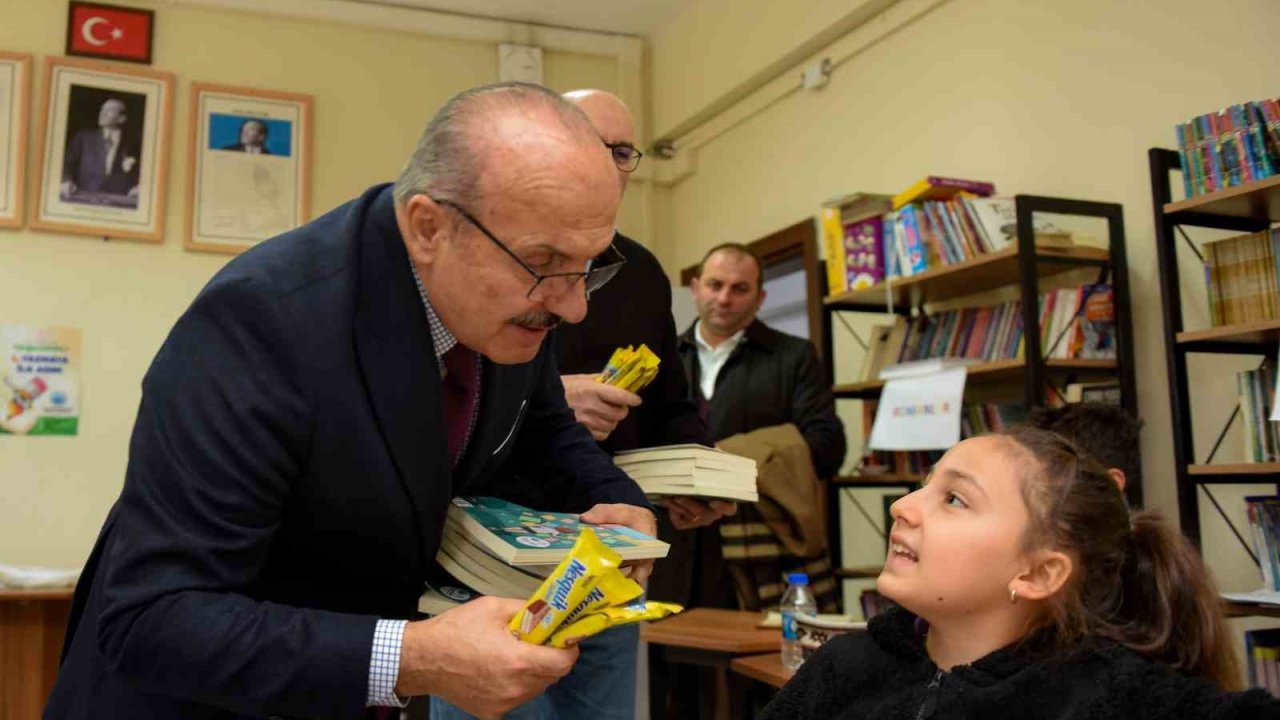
(85, 164)
(287, 484)
(772, 378)
(634, 308)
(239, 147)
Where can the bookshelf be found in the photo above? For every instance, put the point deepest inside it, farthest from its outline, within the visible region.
(1022, 266)
(1245, 208)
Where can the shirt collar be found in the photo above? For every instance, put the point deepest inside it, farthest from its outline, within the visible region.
(441, 339)
(729, 344)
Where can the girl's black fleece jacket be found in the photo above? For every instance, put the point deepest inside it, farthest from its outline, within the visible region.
(886, 674)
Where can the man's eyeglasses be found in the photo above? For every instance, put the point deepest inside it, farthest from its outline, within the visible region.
(625, 156)
(600, 269)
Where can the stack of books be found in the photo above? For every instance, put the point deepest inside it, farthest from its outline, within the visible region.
(1257, 397)
(1262, 653)
(1242, 277)
(1263, 512)
(1238, 145)
(494, 547)
(691, 470)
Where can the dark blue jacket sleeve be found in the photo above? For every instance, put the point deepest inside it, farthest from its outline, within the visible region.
(560, 466)
(219, 443)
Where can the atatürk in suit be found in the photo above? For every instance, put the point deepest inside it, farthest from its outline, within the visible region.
(288, 480)
(86, 162)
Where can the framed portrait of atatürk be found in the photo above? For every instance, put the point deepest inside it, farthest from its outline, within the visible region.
(249, 167)
(104, 150)
(15, 89)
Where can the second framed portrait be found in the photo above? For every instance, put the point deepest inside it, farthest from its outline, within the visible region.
(104, 150)
(15, 84)
(249, 166)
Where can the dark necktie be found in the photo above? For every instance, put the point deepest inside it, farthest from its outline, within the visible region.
(459, 387)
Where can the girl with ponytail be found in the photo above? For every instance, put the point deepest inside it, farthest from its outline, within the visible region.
(1027, 590)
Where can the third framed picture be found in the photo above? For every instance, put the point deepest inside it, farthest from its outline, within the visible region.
(249, 166)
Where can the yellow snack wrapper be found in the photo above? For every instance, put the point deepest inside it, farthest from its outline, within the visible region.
(603, 619)
(565, 588)
(612, 589)
(616, 361)
(641, 373)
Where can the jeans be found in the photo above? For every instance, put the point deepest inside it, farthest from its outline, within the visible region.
(601, 686)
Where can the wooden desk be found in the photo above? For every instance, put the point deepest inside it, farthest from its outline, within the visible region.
(725, 631)
(711, 639)
(765, 668)
(32, 625)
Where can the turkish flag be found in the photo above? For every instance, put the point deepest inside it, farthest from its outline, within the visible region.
(109, 31)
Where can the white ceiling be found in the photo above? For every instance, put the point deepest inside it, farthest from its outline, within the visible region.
(628, 17)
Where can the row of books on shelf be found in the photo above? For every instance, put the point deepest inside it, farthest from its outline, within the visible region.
(1243, 277)
(868, 238)
(1237, 145)
(1074, 323)
(1262, 659)
(1257, 397)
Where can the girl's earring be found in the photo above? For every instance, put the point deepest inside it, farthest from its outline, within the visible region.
(1013, 596)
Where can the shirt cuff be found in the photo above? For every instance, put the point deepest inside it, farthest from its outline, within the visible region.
(384, 664)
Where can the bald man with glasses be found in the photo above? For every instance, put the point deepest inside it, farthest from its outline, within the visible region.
(308, 419)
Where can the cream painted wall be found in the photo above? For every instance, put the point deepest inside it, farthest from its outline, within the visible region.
(374, 91)
(713, 45)
(1052, 98)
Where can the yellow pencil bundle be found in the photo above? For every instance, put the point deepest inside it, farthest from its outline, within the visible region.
(631, 368)
(585, 594)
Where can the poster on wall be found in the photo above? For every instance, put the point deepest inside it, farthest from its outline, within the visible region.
(104, 146)
(249, 166)
(15, 84)
(39, 380)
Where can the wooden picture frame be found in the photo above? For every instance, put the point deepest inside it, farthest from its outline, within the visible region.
(15, 115)
(248, 166)
(104, 150)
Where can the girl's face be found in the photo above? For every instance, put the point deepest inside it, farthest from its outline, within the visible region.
(957, 543)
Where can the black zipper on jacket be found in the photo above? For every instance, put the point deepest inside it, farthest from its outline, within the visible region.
(930, 704)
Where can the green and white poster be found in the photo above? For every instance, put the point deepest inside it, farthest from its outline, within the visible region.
(40, 372)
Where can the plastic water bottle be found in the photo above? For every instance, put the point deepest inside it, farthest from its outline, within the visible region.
(798, 599)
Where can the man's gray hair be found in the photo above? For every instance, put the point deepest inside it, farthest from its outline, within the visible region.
(447, 162)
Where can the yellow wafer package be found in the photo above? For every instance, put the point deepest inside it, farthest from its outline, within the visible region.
(565, 588)
(631, 368)
(600, 620)
(613, 588)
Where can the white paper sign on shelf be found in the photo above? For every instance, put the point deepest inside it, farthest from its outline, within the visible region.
(920, 412)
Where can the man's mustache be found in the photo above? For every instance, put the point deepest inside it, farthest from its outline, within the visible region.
(536, 320)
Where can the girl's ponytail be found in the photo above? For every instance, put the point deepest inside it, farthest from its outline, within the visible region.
(1170, 609)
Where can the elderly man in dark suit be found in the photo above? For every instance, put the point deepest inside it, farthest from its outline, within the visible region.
(102, 160)
(253, 138)
(306, 422)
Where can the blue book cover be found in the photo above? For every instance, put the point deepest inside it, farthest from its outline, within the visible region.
(523, 536)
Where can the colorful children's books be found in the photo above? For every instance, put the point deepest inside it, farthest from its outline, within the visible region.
(522, 536)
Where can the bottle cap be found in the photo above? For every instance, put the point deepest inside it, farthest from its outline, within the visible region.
(798, 578)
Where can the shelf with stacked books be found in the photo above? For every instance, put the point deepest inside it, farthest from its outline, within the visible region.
(951, 240)
(1258, 200)
(992, 270)
(1243, 287)
(1249, 337)
(999, 372)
